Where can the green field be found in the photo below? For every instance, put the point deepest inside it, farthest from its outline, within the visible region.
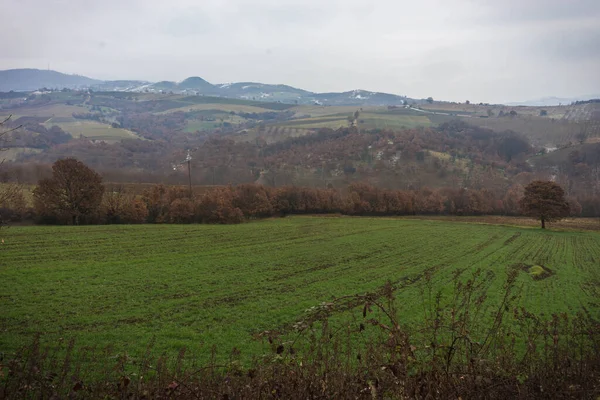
(50, 110)
(95, 130)
(199, 285)
(216, 106)
(392, 121)
(193, 125)
(376, 119)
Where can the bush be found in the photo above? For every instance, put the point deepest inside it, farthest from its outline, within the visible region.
(181, 211)
(217, 207)
(13, 206)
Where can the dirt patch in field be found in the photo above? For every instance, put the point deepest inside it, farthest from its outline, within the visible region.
(536, 272)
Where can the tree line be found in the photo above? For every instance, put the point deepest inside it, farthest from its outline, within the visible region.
(75, 194)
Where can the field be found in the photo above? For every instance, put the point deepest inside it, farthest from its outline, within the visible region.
(95, 130)
(308, 119)
(240, 108)
(202, 285)
(50, 110)
(540, 131)
(193, 125)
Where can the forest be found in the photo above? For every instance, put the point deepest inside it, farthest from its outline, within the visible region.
(453, 166)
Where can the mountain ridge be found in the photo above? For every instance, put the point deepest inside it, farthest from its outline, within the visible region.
(552, 101)
(30, 79)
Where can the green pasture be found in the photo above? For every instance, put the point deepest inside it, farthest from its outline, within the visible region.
(203, 285)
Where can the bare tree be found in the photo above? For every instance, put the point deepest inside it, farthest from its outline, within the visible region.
(74, 192)
(9, 192)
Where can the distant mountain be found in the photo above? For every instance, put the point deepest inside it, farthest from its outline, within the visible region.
(33, 79)
(262, 91)
(552, 101)
(360, 97)
(122, 86)
(274, 93)
(196, 83)
(162, 85)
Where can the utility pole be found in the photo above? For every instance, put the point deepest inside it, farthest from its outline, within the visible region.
(188, 158)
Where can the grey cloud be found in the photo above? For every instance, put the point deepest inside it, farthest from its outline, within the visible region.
(482, 50)
(530, 11)
(191, 23)
(572, 45)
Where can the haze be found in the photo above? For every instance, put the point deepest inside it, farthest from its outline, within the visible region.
(452, 50)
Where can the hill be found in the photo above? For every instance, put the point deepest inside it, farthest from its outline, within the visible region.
(361, 97)
(33, 79)
(553, 101)
(193, 84)
(142, 137)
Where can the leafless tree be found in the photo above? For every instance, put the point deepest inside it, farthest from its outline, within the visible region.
(9, 192)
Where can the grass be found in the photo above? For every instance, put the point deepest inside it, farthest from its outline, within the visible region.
(201, 285)
(393, 121)
(193, 125)
(322, 111)
(51, 110)
(95, 130)
(224, 100)
(541, 131)
(333, 122)
(368, 120)
(218, 107)
(537, 271)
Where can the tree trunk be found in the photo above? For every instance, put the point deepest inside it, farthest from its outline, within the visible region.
(543, 223)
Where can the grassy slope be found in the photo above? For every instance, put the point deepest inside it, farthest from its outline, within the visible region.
(95, 130)
(49, 110)
(200, 285)
(218, 107)
(374, 118)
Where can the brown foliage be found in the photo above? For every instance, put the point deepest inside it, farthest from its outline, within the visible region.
(121, 207)
(512, 198)
(544, 200)
(181, 211)
(72, 195)
(253, 200)
(217, 207)
(13, 206)
(234, 204)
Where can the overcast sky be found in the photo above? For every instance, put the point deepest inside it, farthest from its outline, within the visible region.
(480, 50)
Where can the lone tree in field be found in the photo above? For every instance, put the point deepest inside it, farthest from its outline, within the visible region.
(544, 200)
(73, 192)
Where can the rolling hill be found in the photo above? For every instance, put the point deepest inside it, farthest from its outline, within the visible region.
(33, 79)
(28, 79)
